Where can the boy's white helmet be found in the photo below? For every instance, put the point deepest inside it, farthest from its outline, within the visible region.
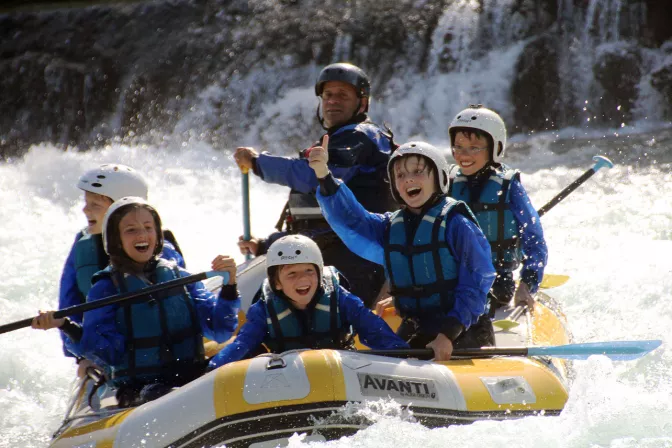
(294, 249)
(486, 120)
(114, 181)
(116, 205)
(421, 149)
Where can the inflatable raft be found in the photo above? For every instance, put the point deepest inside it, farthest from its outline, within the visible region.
(263, 401)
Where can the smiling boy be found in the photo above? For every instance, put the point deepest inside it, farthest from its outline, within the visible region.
(502, 207)
(436, 258)
(304, 305)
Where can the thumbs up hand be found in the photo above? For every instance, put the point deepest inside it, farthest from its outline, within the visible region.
(318, 156)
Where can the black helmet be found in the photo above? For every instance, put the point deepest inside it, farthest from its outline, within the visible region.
(347, 73)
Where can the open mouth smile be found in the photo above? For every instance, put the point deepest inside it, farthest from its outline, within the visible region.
(141, 247)
(413, 191)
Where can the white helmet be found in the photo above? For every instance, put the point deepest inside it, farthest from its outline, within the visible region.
(114, 181)
(116, 205)
(294, 249)
(421, 149)
(486, 120)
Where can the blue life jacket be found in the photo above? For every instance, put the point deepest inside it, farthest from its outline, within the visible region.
(369, 185)
(422, 271)
(90, 257)
(163, 335)
(318, 326)
(493, 212)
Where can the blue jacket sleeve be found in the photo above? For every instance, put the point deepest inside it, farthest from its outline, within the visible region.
(372, 330)
(171, 254)
(218, 316)
(101, 341)
(359, 149)
(69, 293)
(475, 273)
(251, 334)
(533, 244)
(361, 231)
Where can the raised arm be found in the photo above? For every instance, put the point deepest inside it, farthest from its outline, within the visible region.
(361, 231)
(218, 316)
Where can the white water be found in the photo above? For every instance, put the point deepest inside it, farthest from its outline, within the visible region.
(612, 237)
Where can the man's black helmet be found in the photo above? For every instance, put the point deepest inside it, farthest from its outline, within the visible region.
(347, 73)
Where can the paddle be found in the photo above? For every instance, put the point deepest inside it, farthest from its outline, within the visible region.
(246, 208)
(553, 280)
(550, 280)
(600, 161)
(78, 309)
(615, 350)
(512, 321)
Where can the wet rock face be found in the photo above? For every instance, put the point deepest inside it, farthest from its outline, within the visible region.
(659, 20)
(83, 76)
(661, 80)
(53, 99)
(618, 71)
(535, 92)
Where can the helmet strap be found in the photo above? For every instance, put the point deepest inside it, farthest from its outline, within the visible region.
(319, 117)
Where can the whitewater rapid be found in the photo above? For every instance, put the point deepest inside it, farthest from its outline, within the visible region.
(612, 237)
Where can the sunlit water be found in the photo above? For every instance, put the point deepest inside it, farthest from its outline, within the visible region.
(612, 237)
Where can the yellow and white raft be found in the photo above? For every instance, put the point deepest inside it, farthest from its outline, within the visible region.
(263, 401)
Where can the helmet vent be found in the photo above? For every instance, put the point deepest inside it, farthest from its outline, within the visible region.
(100, 176)
(96, 184)
(280, 253)
(298, 252)
(474, 117)
(459, 116)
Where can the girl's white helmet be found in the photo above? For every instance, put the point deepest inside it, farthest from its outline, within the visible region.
(421, 149)
(294, 249)
(116, 205)
(114, 181)
(486, 120)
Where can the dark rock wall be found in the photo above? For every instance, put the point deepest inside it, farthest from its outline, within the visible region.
(84, 76)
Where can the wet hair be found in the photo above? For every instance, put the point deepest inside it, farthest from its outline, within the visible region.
(118, 257)
(470, 133)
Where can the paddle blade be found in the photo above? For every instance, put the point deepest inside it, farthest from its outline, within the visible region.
(506, 324)
(223, 274)
(615, 350)
(552, 281)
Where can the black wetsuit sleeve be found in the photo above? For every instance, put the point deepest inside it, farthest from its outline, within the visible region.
(328, 185)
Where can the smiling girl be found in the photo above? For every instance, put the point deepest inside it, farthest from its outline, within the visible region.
(157, 344)
(102, 186)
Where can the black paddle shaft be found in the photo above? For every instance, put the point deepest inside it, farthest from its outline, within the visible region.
(564, 193)
(78, 309)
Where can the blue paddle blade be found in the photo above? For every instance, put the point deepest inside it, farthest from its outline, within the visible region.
(223, 274)
(601, 161)
(616, 350)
